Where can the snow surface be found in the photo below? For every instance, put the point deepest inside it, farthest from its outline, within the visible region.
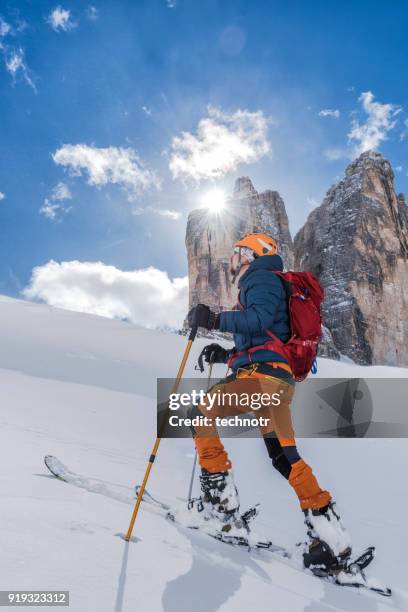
(83, 388)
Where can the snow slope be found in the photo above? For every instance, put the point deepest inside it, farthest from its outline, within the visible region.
(83, 388)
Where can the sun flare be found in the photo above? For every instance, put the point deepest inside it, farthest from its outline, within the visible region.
(214, 201)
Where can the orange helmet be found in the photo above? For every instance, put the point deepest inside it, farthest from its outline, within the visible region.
(260, 244)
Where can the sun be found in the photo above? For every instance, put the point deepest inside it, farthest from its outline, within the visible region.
(214, 201)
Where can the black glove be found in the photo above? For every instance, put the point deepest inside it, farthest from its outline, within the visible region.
(213, 353)
(202, 316)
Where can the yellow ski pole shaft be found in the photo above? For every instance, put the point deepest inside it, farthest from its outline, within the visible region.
(155, 448)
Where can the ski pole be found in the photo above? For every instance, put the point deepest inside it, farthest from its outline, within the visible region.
(190, 489)
(153, 454)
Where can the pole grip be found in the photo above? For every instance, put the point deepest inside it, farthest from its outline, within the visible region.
(193, 333)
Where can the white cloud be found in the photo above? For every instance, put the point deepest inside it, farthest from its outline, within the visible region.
(121, 166)
(61, 191)
(223, 141)
(334, 154)
(329, 112)
(404, 133)
(54, 205)
(14, 59)
(50, 210)
(175, 215)
(146, 297)
(2, 196)
(381, 119)
(92, 13)
(171, 3)
(147, 110)
(60, 19)
(5, 28)
(398, 168)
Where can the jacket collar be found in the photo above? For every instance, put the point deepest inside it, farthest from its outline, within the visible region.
(266, 262)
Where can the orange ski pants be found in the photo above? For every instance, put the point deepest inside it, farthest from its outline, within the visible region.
(276, 430)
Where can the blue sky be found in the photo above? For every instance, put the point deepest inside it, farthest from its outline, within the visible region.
(102, 150)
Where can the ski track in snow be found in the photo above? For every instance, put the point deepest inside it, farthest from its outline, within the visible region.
(83, 388)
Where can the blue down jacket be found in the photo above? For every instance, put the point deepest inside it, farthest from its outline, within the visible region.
(262, 295)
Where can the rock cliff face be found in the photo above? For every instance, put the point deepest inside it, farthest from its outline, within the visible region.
(210, 238)
(356, 242)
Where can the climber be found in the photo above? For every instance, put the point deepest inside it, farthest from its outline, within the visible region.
(257, 364)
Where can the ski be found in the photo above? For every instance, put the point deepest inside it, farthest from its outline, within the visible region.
(350, 574)
(95, 485)
(242, 541)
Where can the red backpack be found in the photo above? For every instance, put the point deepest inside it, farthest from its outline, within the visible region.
(305, 295)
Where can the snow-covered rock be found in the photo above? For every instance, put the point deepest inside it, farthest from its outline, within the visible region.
(356, 242)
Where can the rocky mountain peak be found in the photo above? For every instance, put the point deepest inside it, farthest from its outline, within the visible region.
(356, 242)
(370, 161)
(244, 188)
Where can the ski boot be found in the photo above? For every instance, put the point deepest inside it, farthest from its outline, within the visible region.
(328, 548)
(219, 502)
